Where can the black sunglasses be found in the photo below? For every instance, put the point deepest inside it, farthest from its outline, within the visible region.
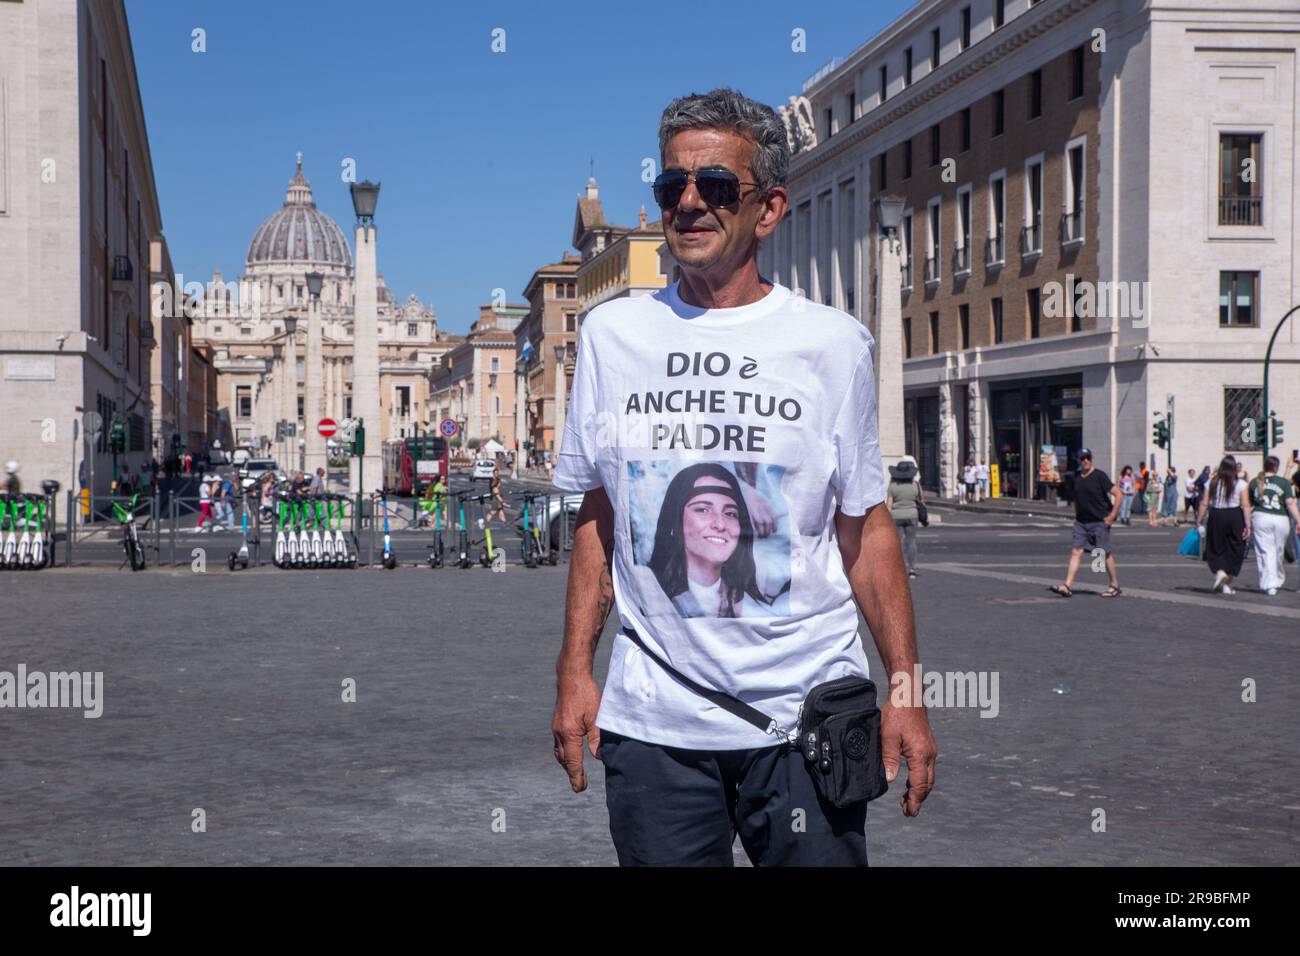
(717, 187)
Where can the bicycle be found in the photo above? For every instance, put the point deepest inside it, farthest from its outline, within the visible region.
(130, 536)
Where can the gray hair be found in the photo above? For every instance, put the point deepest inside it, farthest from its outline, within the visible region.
(725, 108)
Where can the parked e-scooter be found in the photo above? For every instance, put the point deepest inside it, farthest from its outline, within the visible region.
(535, 547)
(240, 556)
(438, 548)
(388, 559)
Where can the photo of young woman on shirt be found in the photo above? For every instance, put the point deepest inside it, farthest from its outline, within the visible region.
(704, 546)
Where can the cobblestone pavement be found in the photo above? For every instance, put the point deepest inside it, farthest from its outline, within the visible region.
(223, 691)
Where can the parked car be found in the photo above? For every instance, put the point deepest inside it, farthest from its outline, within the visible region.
(253, 469)
(483, 468)
(570, 502)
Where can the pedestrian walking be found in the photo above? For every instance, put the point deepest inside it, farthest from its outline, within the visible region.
(228, 501)
(982, 476)
(1127, 489)
(1139, 491)
(1273, 508)
(498, 503)
(1151, 494)
(1097, 502)
(318, 482)
(904, 494)
(1228, 526)
(685, 775)
(205, 504)
(970, 478)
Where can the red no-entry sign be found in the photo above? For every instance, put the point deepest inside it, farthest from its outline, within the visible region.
(327, 427)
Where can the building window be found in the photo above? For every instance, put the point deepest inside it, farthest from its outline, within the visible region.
(1240, 405)
(907, 338)
(244, 401)
(907, 67)
(1241, 180)
(965, 28)
(884, 82)
(570, 321)
(934, 49)
(1072, 221)
(829, 126)
(963, 322)
(934, 333)
(963, 230)
(965, 129)
(999, 112)
(932, 256)
(403, 401)
(907, 158)
(1077, 307)
(853, 106)
(907, 250)
(300, 406)
(881, 171)
(996, 253)
(1034, 308)
(1031, 236)
(494, 365)
(934, 145)
(1036, 94)
(216, 330)
(999, 13)
(995, 316)
(412, 328)
(246, 330)
(347, 406)
(1238, 299)
(1076, 72)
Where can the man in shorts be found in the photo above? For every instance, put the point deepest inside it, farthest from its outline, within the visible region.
(1096, 504)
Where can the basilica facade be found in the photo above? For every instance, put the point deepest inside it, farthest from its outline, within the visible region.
(256, 326)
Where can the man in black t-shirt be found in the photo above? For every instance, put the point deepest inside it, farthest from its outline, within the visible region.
(1096, 503)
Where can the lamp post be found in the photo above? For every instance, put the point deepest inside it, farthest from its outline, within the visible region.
(289, 398)
(365, 337)
(314, 388)
(889, 331)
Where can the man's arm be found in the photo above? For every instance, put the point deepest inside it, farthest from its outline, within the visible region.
(1116, 499)
(586, 608)
(873, 562)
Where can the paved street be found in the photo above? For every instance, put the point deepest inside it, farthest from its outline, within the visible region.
(223, 692)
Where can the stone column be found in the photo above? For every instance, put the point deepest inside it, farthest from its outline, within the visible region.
(949, 466)
(521, 424)
(365, 359)
(289, 410)
(889, 354)
(314, 403)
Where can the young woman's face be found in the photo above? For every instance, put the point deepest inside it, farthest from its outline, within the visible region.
(710, 525)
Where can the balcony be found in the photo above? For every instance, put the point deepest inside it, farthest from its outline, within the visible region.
(931, 270)
(1072, 227)
(995, 251)
(1031, 240)
(122, 269)
(1241, 210)
(961, 259)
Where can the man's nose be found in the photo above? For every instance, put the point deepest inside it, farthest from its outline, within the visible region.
(691, 200)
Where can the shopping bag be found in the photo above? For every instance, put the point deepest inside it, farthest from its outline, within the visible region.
(1191, 545)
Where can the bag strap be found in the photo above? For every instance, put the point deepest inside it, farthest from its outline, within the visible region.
(731, 705)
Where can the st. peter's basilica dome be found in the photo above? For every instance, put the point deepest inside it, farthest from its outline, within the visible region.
(299, 233)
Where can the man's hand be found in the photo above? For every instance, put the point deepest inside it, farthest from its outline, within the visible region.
(577, 699)
(1108, 521)
(905, 731)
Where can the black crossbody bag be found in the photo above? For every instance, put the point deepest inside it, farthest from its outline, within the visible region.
(838, 735)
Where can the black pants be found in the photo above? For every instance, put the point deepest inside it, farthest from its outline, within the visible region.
(675, 807)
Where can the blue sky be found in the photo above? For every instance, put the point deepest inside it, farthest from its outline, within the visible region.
(481, 155)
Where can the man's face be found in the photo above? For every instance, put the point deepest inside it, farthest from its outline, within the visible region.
(717, 240)
(1085, 465)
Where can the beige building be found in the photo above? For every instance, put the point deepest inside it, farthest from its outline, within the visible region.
(475, 382)
(616, 261)
(257, 324)
(551, 325)
(81, 234)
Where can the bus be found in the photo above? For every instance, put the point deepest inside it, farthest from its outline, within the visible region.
(412, 463)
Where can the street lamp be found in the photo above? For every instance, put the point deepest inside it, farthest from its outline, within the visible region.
(889, 213)
(314, 387)
(365, 196)
(314, 282)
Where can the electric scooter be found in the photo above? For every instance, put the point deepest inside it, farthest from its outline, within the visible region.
(317, 552)
(436, 550)
(535, 547)
(38, 540)
(9, 548)
(281, 558)
(25, 542)
(488, 556)
(388, 559)
(301, 541)
(347, 556)
(241, 556)
(328, 558)
(462, 535)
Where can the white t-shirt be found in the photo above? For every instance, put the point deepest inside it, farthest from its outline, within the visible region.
(725, 439)
(969, 474)
(982, 472)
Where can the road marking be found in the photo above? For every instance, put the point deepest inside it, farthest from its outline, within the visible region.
(1218, 603)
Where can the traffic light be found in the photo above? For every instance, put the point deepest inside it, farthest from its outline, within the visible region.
(1275, 431)
(117, 437)
(1160, 433)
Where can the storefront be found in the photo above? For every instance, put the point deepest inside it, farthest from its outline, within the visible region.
(1036, 431)
(921, 437)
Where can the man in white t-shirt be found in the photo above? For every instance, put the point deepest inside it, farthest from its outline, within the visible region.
(724, 432)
